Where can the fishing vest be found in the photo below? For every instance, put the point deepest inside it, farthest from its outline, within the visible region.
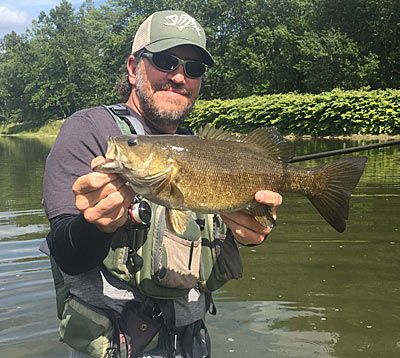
(167, 265)
(149, 258)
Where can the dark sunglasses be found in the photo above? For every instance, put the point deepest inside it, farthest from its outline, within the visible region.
(168, 63)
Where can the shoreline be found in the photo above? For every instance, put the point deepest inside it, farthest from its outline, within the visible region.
(52, 128)
(354, 137)
(385, 137)
(27, 135)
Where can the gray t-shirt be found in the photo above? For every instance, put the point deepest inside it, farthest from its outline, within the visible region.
(82, 138)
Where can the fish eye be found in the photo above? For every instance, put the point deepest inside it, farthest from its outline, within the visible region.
(131, 142)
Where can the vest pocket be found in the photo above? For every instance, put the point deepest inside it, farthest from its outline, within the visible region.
(85, 328)
(177, 262)
(221, 261)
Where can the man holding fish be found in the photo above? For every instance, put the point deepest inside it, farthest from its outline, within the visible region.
(103, 305)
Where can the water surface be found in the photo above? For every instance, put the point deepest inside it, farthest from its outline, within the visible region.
(306, 292)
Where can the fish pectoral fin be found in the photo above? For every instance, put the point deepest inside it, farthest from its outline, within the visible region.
(176, 196)
(177, 220)
(263, 214)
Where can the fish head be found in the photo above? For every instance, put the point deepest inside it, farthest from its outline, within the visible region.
(143, 162)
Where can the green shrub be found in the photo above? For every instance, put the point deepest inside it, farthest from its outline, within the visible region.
(330, 113)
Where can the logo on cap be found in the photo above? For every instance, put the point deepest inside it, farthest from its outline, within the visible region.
(182, 22)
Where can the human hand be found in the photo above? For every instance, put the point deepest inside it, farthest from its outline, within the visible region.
(103, 198)
(244, 227)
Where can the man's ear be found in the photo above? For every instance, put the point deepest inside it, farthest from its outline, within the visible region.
(131, 67)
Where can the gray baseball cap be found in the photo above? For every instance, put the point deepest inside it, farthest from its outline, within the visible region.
(166, 29)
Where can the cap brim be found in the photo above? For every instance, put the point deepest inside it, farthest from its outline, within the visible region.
(166, 44)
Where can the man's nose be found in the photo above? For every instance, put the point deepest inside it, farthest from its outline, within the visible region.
(178, 75)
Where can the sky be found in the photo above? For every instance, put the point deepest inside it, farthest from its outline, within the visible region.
(18, 15)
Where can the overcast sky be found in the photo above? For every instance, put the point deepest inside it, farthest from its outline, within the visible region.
(18, 15)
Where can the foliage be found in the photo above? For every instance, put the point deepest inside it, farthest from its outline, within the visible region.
(49, 128)
(330, 58)
(374, 25)
(336, 112)
(71, 58)
(11, 82)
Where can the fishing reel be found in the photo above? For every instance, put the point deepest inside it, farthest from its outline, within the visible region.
(139, 211)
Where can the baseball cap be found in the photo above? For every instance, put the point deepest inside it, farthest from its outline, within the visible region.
(166, 29)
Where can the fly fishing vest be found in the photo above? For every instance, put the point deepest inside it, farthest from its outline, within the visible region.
(158, 264)
(167, 265)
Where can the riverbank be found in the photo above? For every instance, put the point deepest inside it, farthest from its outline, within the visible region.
(52, 128)
(31, 129)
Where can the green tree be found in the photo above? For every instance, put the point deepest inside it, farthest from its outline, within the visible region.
(64, 62)
(12, 103)
(71, 59)
(255, 46)
(374, 25)
(330, 59)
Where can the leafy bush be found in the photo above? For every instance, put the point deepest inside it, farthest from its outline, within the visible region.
(329, 113)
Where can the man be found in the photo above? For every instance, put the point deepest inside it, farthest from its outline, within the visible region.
(88, 210)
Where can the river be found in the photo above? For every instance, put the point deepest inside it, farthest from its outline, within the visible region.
(308, 291)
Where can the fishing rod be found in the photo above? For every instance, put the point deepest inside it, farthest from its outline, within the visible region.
(343, 151)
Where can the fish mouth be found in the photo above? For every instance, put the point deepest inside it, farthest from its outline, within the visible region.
(112, 150)
(109, 166)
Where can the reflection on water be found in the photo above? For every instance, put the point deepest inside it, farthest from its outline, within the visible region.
(259, 329)
(28, 327)
(306, 292)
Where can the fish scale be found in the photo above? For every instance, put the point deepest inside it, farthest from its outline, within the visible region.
(221, 172)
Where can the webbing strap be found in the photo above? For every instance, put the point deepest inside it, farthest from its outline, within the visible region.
(121, 113)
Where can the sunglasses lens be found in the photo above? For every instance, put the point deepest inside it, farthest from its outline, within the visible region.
(165, 62)
(168, 63)
(195, 69)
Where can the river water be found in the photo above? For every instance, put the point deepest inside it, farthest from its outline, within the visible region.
(306, 292)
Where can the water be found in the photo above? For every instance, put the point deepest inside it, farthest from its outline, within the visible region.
(306, 292)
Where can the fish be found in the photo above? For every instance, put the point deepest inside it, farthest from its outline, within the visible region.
(218, 171)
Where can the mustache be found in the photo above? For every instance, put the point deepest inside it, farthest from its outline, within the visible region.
(173, 86)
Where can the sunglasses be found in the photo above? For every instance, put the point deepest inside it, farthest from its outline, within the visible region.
(167, 63)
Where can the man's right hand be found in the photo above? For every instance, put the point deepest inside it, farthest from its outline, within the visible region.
(103, 198)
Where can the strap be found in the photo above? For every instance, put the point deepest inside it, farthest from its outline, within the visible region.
(168, 312)
(44, 247)
(207, 339)
(192, 342)
(211, 307)
(121, 113)
(168, 333)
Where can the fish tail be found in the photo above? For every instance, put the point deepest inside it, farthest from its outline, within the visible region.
(336, 181)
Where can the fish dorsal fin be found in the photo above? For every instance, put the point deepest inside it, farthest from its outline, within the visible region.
(271, 141)
(267, 138)
(212, 132)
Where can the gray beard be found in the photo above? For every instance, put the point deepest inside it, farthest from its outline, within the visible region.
(160, 118)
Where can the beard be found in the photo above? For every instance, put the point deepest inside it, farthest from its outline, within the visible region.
(159, 117)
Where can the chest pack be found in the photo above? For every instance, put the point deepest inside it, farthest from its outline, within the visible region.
(166, 265)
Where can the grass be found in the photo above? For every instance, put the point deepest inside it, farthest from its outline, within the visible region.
(50, 128)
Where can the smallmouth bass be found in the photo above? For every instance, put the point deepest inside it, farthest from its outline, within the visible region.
(218, 171)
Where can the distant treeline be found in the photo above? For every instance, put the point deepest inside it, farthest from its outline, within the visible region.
(71, 58)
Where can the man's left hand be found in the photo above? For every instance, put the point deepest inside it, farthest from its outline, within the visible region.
(244, 227)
